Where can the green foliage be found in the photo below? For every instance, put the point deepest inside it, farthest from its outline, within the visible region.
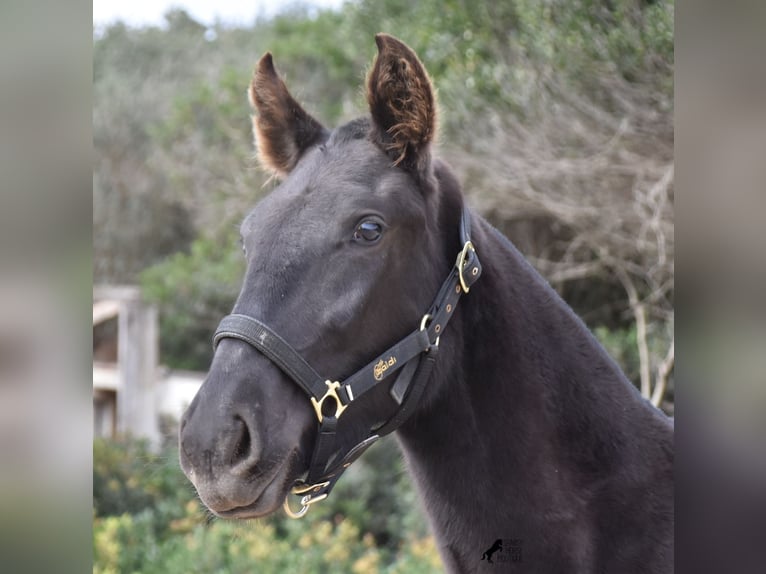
(621, 345)
(172, 127)
(193, 291)
(584, 37)
(128, 478)
(127, 543)
(148, 520)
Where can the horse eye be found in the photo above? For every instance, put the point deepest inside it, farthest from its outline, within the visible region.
(369, 231)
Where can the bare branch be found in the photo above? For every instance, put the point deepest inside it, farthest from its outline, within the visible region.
(560, 273)
(663, 372)
(596, 186)
(639, 313)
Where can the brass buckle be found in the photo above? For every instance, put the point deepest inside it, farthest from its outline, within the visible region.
(460, 263)
(305, 488)
(332, 392)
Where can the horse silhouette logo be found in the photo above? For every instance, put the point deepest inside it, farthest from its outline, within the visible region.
(496, 547)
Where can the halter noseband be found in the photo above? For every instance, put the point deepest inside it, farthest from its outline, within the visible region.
(413, 358)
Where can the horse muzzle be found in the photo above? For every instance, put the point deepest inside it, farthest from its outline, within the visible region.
(238, 448)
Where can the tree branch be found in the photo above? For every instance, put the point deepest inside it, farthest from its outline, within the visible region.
(639, 313)
(663, 371)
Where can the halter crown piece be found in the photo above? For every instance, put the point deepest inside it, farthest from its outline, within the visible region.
(413, 358)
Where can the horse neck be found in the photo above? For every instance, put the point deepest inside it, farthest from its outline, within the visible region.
(524, 412)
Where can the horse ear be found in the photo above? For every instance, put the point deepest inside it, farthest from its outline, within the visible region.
(402, 103)
(283, 130)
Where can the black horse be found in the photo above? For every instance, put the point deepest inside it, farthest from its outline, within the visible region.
(522, 428)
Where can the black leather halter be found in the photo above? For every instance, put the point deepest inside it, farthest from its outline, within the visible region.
(413, 358)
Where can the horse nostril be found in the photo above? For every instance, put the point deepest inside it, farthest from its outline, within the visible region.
(243, 442)
(214, 446)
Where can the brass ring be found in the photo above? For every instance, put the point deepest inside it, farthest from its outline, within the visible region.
(291, 513)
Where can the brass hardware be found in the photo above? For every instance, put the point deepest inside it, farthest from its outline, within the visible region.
(457, 288)
(332, 392)
(461, 261)
(306, 501)
(290, 512)
(474, 271)
(437, 328)
(449, 308)
(304, 488)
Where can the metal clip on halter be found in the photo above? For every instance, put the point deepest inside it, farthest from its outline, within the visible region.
(307, 500)
(332, 392)
(462, 260)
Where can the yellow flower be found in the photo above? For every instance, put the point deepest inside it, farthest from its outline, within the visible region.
(367, 563)
(305, 540)
(368, 540)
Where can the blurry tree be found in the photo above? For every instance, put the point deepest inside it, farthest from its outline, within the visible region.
(166, 128)
(589, 168)
(558, 116)
(193, 291)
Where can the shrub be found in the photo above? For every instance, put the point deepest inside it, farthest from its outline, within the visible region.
(148, 520)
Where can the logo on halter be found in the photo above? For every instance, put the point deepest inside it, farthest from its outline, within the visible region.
(382, 366)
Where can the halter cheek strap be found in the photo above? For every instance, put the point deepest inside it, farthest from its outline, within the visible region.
(413, 358)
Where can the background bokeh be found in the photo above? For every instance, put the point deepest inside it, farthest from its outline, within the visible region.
(558, 118)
